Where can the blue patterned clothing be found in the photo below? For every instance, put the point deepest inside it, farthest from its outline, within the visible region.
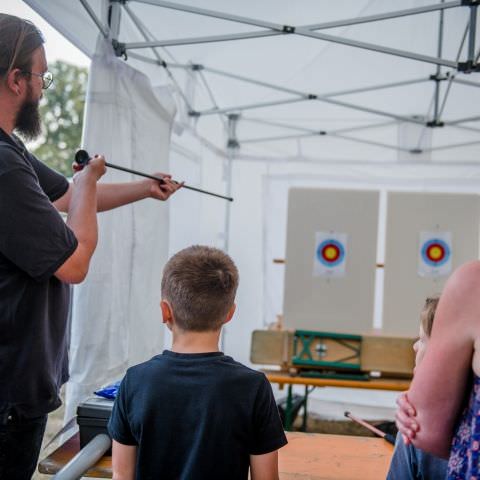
(464, 462)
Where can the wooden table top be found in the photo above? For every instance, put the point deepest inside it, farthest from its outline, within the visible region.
(308, 456)
(396, 384)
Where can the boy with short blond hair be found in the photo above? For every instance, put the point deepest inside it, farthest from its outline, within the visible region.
(193, 412)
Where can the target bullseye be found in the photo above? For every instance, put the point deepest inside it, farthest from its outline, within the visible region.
(330, 253)
(435, 252)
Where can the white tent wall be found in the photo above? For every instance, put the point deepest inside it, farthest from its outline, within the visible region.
(115, 320)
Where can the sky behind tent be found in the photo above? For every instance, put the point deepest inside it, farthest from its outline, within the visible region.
(57, 46)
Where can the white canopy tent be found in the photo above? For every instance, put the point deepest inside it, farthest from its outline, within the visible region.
(369, 96)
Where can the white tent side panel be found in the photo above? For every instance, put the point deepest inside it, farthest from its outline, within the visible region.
(116, 318)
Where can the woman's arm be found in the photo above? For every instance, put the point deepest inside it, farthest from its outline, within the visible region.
(439, 387)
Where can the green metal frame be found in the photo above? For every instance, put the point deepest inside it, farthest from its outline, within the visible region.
(304, 339)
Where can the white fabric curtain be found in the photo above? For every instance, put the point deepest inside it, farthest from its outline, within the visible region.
(116, 319)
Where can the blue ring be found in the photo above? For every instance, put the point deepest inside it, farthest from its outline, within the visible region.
(341, 252)
(446, 250)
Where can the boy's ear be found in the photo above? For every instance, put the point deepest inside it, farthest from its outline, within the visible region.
(230, 313)
(167, 314)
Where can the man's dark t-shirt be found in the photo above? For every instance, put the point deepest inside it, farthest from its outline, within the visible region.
(34, 243)
(195, 416)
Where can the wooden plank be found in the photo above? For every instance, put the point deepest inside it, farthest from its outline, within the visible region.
(389, 355)
(329, 457)
(394, 384)
(307, 456)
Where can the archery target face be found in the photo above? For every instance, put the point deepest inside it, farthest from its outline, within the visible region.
(435, 253)
(330, 254)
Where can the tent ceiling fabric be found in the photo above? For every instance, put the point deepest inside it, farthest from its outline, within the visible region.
(286, 121)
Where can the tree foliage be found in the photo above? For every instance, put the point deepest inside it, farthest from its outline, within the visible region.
(61, 110)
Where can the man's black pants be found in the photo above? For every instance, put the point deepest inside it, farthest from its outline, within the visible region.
(20, 442)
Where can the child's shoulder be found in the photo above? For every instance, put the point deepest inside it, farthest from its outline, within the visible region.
(243, 370)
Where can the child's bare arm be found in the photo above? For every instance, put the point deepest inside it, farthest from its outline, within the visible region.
(264, 467)
(123, 461)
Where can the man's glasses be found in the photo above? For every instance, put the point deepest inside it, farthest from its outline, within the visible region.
(47, 78)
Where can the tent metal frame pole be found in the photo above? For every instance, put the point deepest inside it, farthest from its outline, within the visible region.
(472, 34)
(280, 125)
(452, 77)
(115, 16)
(307, 30)
(375, 87)
(251, 106)
(160, 61)
(214, 14)
(323, 134)
(320, 98)
(438, 69)
(307, 97)
(276, 138)
(383, 16)
(232, 146)
(376, 48)
(199, 40)
(463, 120)
(453, 145)
(103, 29)
(465, 82)
(316, 131)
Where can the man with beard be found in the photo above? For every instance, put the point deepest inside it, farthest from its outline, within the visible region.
(40, 254)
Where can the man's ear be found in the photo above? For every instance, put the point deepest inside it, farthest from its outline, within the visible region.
(14, 82)
(167, 313)
(230, 313)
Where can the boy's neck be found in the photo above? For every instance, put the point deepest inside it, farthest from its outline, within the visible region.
(195, 342)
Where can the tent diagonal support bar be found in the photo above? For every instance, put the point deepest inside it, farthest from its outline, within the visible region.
(103, 29)
(250, 106)
(198, 40)
(453, 145)
(275, 29)
(278, 138)
(281, 125)
(463, 120)
(143, 31)
(363, 127)
(466, 128)
(371, 110)
(320, 98)
(214, 14)
(375, 87)
(310, 135)
(383, 16)
(316, 131)
(368, 142)
(462, 81)
(376, 48)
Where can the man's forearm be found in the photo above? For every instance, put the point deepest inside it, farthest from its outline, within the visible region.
(113, 195)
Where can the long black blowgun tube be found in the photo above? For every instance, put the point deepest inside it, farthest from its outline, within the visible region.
(82, 158)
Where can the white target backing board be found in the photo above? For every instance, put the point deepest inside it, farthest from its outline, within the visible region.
(428, 236)
(331, 260)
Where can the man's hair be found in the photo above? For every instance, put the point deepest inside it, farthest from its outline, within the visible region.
(200, 284)
(428, 314)
(19, 38)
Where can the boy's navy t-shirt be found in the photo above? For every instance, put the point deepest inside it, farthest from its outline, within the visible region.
(195, 416)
